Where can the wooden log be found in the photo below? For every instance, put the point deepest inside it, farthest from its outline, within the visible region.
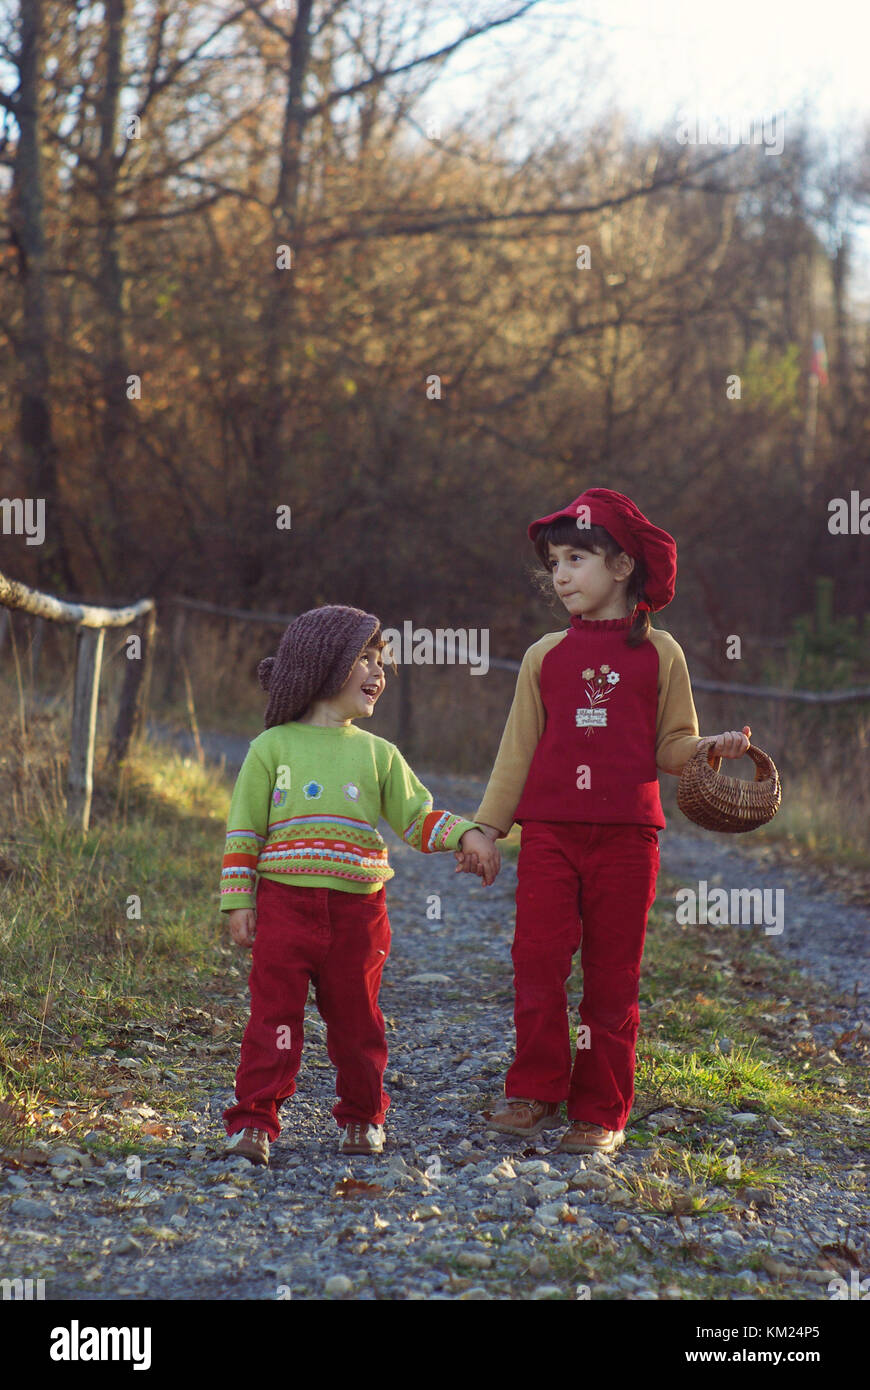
(80, 783)
(15, 595)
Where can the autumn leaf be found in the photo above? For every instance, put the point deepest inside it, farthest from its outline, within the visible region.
(29, 1157)
(354, 1187)
(159, 1131)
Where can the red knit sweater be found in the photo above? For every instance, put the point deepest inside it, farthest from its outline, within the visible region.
(592, 721)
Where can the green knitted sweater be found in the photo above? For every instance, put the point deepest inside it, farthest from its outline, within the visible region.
(305, 809)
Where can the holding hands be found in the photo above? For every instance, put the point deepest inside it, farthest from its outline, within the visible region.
(479, 854)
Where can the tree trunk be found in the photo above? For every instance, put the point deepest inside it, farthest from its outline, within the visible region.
(117, 419)
(38, 451)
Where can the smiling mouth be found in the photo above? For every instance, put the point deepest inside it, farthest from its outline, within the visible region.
(371, 691)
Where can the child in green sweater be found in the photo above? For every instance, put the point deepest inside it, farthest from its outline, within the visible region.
(303, 821)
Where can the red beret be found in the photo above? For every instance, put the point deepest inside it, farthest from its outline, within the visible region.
(633, 532)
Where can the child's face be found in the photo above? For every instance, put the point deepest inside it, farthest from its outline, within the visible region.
(365, 684)
(585, 584)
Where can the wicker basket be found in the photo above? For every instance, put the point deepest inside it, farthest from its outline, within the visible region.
(727, 803)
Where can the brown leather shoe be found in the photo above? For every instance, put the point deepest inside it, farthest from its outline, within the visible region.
(248, 1143)
(524, 1117)
(359, 1138)
(586, 1138)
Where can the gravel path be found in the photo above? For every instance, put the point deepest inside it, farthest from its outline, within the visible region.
(451, 1211)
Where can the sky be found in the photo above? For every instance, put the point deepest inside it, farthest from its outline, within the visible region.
(745, 53)
(757, 59)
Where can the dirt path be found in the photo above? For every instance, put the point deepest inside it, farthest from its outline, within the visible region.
(451, 1210)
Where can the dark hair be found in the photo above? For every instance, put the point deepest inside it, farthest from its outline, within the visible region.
(565, 531)
(379, 642)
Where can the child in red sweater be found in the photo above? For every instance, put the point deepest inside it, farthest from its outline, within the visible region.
(598, 709)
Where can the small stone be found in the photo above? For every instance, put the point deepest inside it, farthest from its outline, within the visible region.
(476, 1294)
(585, 1181)
(428, 1213)
(539, 1265)
(30, 1209)
(777, 1268)
(474, 1259)
(618, 1197)
(128, 1246)
(746, 1117)
(551, 1188)
(338, 1285)
(533, 1165)
(621, 1226)
(547, 1291)
(397, 1165)
(64, 1155)
(429, 977)
(757, 1195)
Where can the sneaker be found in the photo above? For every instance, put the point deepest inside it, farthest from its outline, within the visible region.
(524, 1117)
(585, 1138)
(360, 1138)
(249, 1143)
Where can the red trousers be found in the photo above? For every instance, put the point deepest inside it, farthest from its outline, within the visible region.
(340, 941)
(587, 886)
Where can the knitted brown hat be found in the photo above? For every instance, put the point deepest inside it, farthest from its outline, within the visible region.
(315, 658)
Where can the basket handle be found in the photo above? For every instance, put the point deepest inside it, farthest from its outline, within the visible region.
(763, 765)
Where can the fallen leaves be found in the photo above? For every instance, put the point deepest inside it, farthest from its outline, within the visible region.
(355, 1187)
(27, 1158)
(158, 1131)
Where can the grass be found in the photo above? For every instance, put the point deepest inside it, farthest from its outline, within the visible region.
(111, 944)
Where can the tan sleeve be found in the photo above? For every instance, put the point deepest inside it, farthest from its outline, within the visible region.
(522, 733)
(677, 721)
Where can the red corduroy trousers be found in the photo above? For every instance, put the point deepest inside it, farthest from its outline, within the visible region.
(340, 941)
(586, 886)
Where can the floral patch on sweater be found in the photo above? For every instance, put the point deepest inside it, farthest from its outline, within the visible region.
(599, 688)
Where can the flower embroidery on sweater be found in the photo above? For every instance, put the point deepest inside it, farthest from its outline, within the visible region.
(351, 791)
(312, 790)
(599, 688)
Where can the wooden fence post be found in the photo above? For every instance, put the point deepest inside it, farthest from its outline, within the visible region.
(175, 652)
(80, 786)
(134, 695)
